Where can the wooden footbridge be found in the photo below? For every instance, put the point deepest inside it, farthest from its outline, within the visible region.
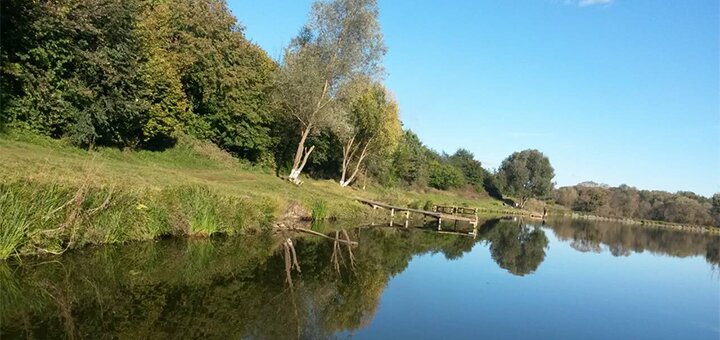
(439, 212)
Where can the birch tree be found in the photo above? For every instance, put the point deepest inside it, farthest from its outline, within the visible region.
(341, 42)
(372, 126)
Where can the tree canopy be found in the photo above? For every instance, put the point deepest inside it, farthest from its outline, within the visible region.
(526, 174)
(341, 42)
(135, 73)
(628, 202)
(371, 126)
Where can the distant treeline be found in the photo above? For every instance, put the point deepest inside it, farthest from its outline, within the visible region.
(628, 202)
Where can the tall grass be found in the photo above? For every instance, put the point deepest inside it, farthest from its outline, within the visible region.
(51, 218)
(319, 210)
(13, 223)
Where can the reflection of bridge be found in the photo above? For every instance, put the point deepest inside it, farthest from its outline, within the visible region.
(455, 215)
(406, 226)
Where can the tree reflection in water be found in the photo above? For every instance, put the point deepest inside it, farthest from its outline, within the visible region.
(238, 287)
(515, 246)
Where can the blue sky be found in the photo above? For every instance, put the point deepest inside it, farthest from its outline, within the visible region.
(614, 91)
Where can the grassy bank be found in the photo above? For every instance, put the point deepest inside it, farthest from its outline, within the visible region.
(55, 197)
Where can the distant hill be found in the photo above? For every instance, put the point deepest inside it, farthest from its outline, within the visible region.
(591, 184)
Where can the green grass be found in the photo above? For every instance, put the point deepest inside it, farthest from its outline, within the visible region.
(319, 212)
(56, 196)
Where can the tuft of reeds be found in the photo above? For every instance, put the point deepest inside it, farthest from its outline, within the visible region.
(13, 223)
(52, 218)
(319, 210)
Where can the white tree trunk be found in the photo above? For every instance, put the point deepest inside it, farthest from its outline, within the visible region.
(301, 156)
(348, 152)
(345, 182)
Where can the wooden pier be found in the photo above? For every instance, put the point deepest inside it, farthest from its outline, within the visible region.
(439, 215)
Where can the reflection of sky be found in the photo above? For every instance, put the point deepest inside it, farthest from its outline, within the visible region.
(570, 295)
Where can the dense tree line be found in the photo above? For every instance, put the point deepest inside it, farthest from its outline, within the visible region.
(135, 73)
(139, 73)
(628, 202)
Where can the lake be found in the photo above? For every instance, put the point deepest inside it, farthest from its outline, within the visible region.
(567, 279)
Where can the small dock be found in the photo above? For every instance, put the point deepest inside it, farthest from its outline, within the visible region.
(439, 214)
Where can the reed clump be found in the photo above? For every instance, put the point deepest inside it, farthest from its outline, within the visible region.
(52, 218)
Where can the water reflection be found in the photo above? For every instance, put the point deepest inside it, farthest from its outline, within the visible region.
(623, 239)
(265, 286)
(517, 247)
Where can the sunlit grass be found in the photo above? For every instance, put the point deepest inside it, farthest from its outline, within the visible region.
(193, 188)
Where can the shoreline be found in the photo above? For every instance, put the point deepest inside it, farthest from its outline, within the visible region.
(642, 222)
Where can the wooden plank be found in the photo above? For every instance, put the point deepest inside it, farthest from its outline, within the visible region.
(466, 211)
(388, 206)
(447, 209)
(437, 215)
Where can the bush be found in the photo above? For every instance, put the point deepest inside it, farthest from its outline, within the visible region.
(445, 176)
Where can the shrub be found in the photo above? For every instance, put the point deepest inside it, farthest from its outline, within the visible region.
(445, 176)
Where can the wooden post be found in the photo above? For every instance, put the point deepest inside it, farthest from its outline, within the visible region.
(392, 212)
(407, 214)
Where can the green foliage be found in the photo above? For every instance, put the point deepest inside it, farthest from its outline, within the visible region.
(628, 202)
(135, 73)
(327, 155)
(13, 223)
(491, 185)
(526, 174)
(371, 126)
(589, 199)
(77, 71)
(340, 43)
(319, 210)
(715, 210)
(52, 218)
(445, 176)
(227, 79)
(410, 162)
(471, 168)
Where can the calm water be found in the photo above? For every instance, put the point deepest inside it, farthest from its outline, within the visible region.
(567, 279)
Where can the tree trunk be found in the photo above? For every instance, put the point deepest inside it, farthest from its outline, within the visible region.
(301, 156)
(363, 154)
(348, 152)
(523, 201)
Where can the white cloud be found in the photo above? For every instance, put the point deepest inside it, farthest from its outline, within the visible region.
(584, 3)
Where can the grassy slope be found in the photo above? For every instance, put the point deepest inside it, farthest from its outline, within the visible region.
(144, 178)
(191, 163)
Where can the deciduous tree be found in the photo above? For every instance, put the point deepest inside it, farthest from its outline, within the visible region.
(372, 126)
(341, 41)
(471, 168)
(526, 174)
